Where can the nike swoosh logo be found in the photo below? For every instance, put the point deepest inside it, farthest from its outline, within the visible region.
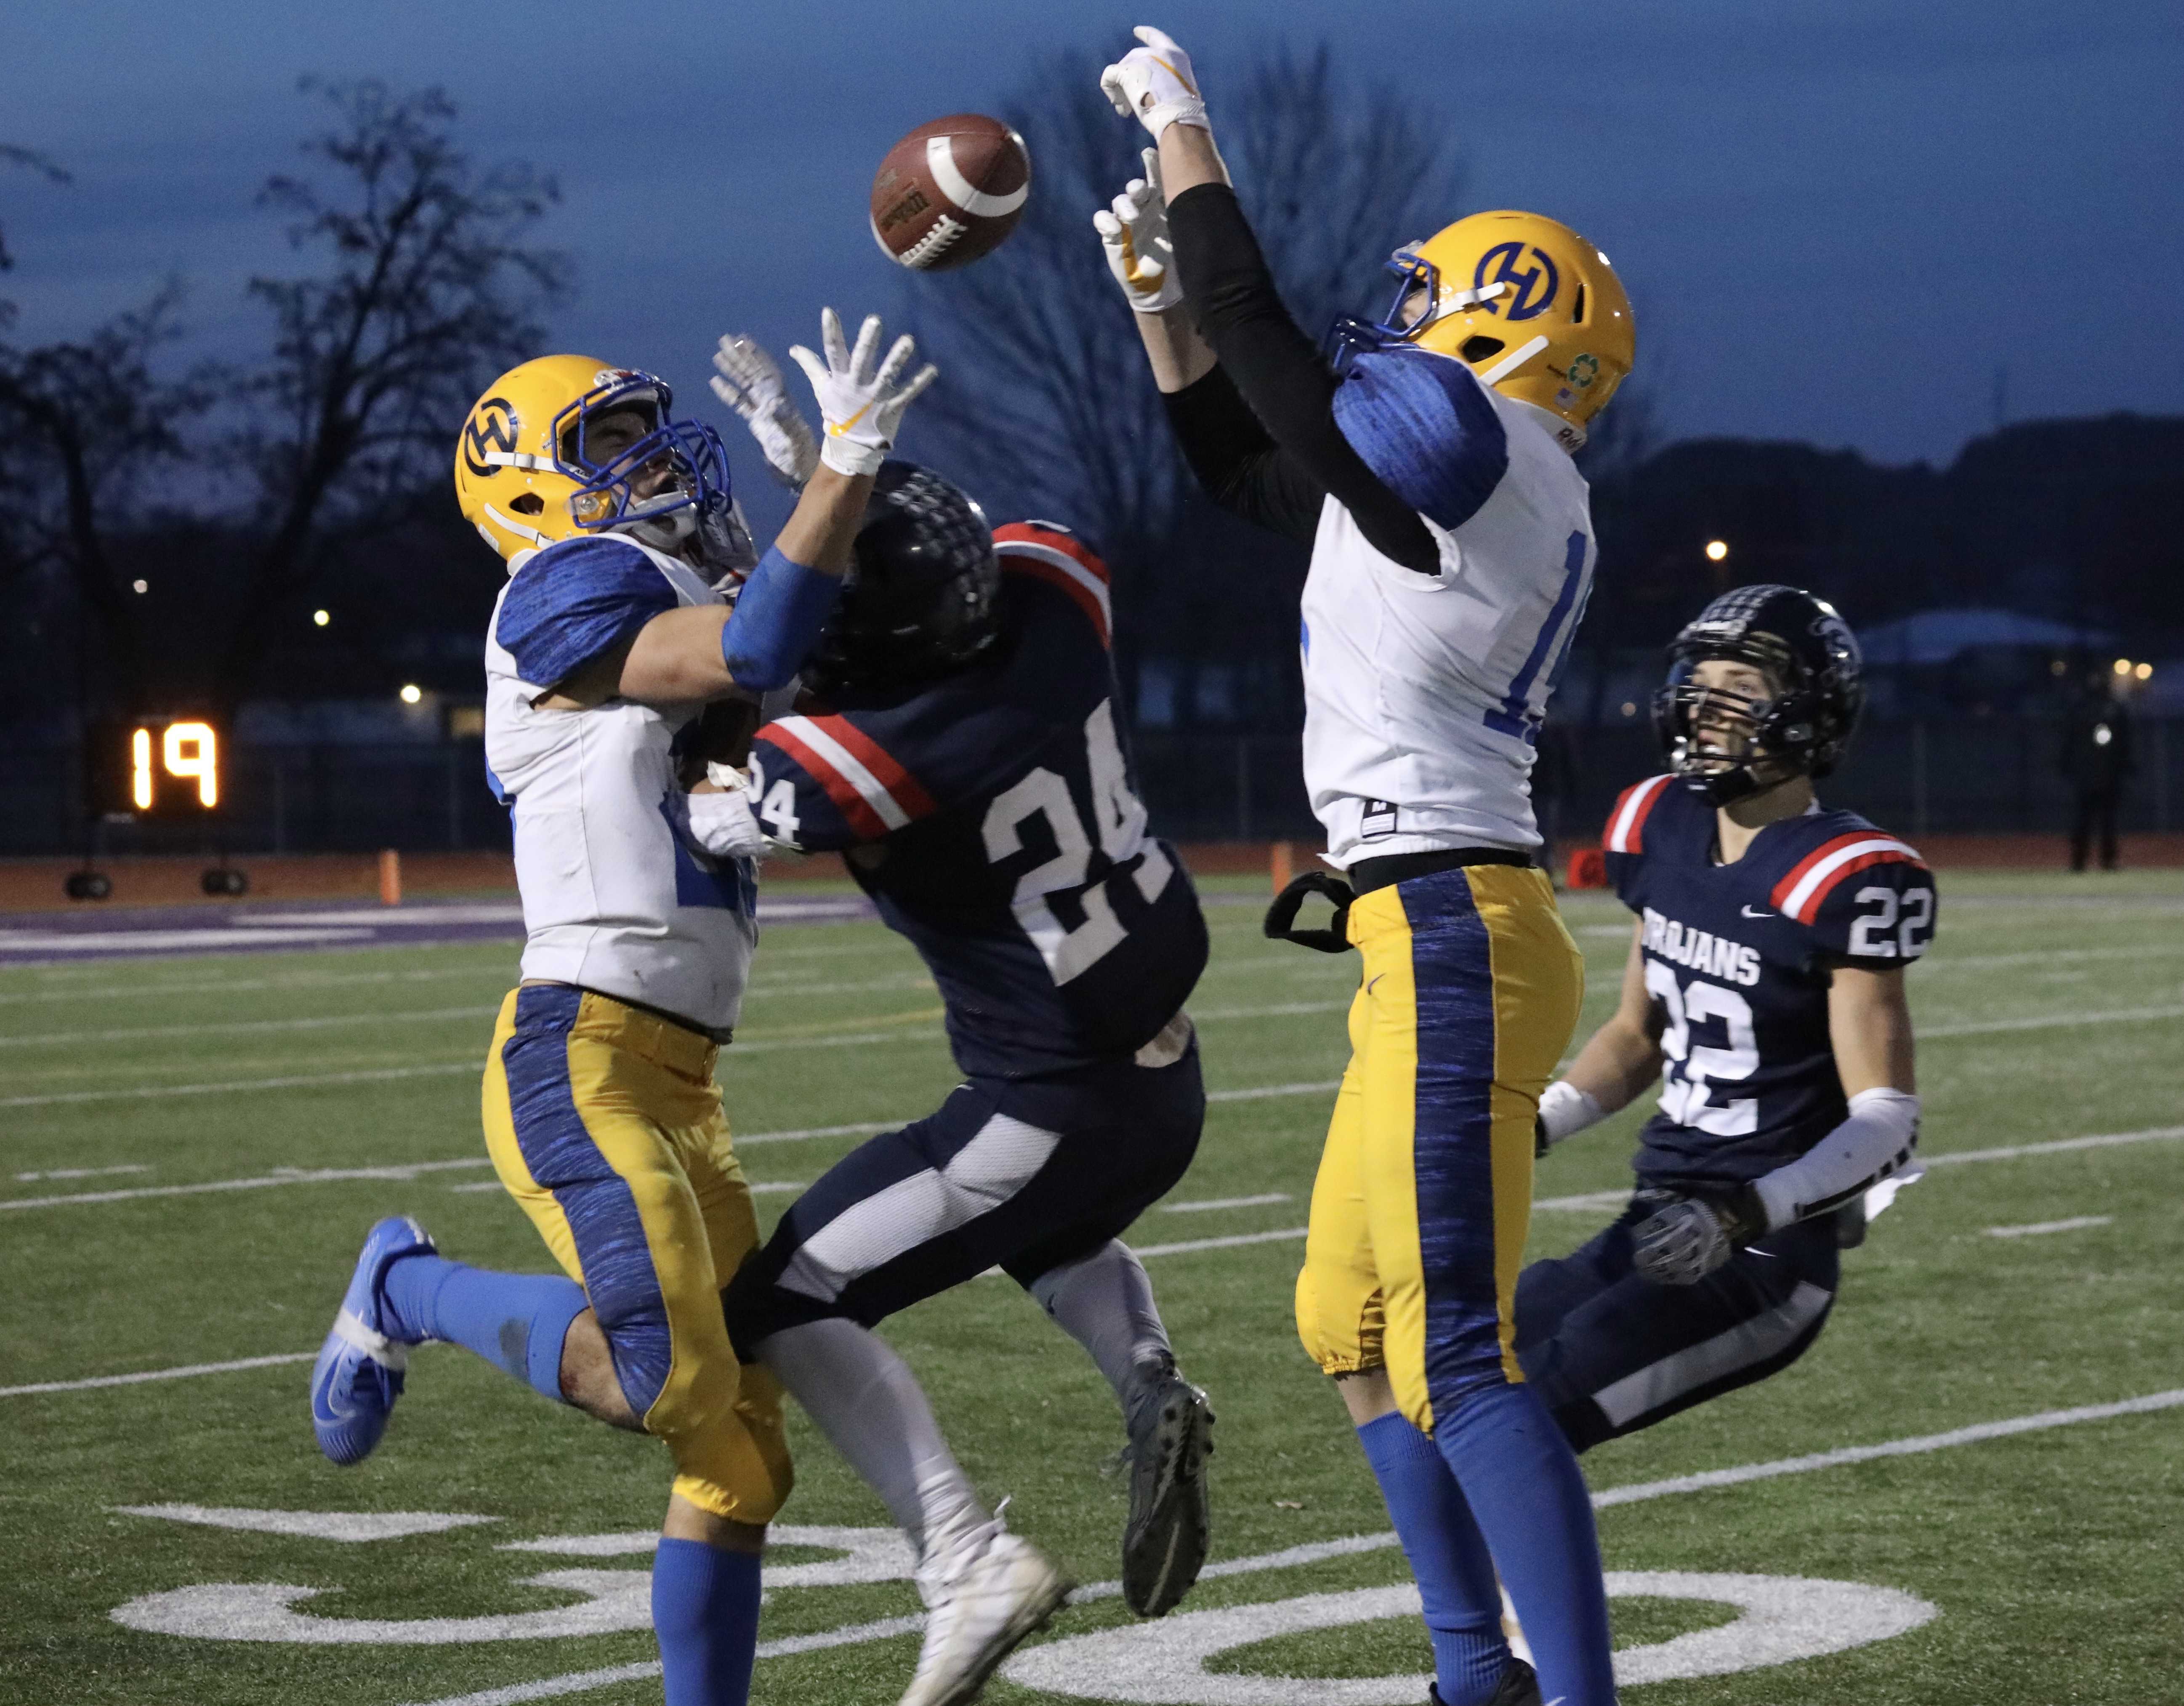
(1750, 913)
(835, 429)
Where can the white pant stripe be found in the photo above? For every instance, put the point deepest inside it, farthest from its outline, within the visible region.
(1748, 1342)
(978, 1178)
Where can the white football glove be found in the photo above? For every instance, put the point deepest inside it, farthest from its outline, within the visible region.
(750, 383)
(1687, 1238)
(860, 398)
(1133, 231)
(1154, 84)
(718, 824)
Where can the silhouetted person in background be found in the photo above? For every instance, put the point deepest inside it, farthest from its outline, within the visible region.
(2096, 759)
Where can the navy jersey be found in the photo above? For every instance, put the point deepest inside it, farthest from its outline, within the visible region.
(993, 819)
(1738, 960)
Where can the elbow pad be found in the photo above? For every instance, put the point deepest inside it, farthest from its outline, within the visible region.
(777, 622)
(1565, 1110)
(1877, 1139)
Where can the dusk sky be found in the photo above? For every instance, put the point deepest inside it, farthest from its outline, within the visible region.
(1836, 220)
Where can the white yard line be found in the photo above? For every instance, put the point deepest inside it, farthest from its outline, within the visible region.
(144, 990)
(928, 1032)
(79, 1172)
(1589, 1201)
(1286, 1235)
(1207, 1205)
(1260, 1092)
(2060, 1145)
(582, 1681)
(402, 1170)
(2044, 1021)
(184, 1373)
(239, 1087)
(244, 1027)
(1916, 1446)
(2041, 1228)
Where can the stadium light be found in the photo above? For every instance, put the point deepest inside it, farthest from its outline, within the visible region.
(2123, 665)
(320, 618)
(411, 693)
(2144, 672)
(1717, 550)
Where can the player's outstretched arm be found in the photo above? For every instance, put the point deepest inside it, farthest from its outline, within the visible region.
(1133, 233)
(1613, 1068)
(1263, 356)
(705, 651)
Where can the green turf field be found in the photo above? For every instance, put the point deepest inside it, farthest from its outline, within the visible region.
(2046, 1563)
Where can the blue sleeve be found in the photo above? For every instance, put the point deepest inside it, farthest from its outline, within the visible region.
(576, 601)
(1425, 425)
(777, 622)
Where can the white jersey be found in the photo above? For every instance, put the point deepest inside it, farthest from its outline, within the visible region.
(1424, 695)
(613, 900)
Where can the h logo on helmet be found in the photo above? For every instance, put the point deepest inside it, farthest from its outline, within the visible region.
(492, 428)
(1532, 288)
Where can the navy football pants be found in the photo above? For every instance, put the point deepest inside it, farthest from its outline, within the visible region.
(1609, 1353)
(1024, 1175)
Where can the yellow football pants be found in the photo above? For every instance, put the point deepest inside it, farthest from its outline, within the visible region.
(1469, 995)
(606, 1125)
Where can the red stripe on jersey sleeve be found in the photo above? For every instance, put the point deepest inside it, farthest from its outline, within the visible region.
(907, 791)
(852, 804)
(1626, 824)
(1035, 533)
(1809, 909)
(1024, 561)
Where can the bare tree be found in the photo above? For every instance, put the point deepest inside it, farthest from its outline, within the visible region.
(30, 158)
(429, 289)
(1045, 403)
(86, 430)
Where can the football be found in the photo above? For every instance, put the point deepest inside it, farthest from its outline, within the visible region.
(950, 192)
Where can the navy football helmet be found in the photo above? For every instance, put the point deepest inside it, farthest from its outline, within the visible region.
(922, 599)
(1726, 745)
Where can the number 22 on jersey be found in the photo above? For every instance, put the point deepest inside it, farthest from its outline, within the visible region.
(1689, 1071)
(1070, 950)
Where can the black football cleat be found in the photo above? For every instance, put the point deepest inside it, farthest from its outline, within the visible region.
(1518, 1687)
(1164, 1543)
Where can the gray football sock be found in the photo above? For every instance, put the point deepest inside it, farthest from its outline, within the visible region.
(1105, 1303)
(867, 1403)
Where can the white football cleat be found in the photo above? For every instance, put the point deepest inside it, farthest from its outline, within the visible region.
(984, 1593)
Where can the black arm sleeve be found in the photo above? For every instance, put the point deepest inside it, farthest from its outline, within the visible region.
(1241, 468)
(1277, 371)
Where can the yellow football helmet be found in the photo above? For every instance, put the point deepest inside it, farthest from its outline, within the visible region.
(524, 480)
(1521, 300)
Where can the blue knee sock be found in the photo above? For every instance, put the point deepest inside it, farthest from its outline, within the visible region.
(516, 1322)
(704, 1610)
(1521, 1479)
(1448, 1556)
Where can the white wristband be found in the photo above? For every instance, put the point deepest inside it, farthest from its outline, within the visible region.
(1565, 1110)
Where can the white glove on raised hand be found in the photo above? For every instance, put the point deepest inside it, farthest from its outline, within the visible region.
(860, 403)
(750, 383)
(1154, 84)
(1133, 231)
